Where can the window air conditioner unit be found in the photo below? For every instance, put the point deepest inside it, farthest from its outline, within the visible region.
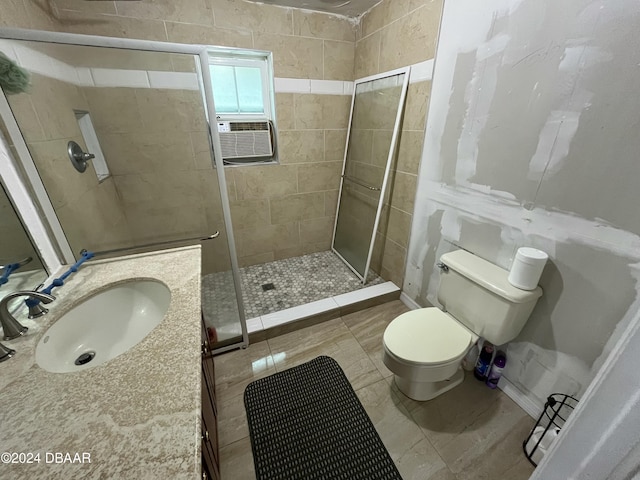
(246, 139)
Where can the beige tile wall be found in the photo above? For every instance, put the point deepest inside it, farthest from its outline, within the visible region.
(278, 210)
(371, 134)
(90, 212)
(285, 210)
(312, 128)
(394, 34)
(159, 157)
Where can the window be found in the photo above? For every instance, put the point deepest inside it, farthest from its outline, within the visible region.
(243, 92)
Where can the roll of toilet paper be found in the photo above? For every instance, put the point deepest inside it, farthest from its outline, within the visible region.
(527, 267)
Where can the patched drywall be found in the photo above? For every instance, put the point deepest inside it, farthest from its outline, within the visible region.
(532, 141)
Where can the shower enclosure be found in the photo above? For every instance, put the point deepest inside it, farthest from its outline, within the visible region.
(376, 112)
(140, 109)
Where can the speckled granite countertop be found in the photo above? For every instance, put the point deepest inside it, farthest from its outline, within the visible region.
(138, 415)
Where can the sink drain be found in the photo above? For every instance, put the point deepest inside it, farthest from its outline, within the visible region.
(85, 358)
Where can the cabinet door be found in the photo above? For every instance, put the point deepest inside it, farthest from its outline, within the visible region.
(210, 469)
(209, 413)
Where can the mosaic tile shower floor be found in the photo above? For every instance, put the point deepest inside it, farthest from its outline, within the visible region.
(296, 281)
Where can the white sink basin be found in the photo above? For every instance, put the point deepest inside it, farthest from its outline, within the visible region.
(103, 326)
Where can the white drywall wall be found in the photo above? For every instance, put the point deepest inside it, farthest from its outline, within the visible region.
(532, 140)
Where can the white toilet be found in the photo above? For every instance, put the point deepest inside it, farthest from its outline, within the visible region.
(424, 347)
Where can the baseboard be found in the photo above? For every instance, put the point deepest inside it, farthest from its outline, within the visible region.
(408, 301)
(515, 394)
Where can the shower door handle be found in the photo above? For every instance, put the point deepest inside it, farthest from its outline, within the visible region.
(361, 183)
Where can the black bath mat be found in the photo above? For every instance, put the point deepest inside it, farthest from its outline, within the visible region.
(307, 423)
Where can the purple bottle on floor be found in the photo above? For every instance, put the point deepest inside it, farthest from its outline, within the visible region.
(484, 362)
(496, 369)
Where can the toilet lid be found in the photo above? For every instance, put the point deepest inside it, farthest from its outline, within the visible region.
(426, 335)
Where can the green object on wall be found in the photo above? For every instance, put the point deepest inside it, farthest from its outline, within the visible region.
(13, 78)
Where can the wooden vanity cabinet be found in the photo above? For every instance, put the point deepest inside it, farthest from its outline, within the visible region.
(210, 453)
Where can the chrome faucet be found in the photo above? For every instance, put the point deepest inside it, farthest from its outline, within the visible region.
(11, 327)
(6, 353)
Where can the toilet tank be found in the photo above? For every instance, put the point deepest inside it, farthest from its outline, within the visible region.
(477, 294)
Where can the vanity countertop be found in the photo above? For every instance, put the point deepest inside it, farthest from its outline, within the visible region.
(136, 416)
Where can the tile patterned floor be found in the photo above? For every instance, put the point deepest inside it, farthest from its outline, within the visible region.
(470, 432)
(296, 281)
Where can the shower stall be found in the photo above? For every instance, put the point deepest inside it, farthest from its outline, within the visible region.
(114, 138)
(376, 113)
(139, 111)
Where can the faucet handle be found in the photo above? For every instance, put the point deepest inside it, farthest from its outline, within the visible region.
(12, 328)
(6, 353)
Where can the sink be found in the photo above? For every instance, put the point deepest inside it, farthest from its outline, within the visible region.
(103, 326)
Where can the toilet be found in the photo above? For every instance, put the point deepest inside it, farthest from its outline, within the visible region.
(424, 347)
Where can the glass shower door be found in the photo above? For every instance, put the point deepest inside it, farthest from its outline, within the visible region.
(375, 116)
(152, 183)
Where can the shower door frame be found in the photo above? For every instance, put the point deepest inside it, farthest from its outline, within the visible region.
(392, 150)
(204, 80)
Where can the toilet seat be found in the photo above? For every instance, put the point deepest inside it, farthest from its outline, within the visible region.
(426, 336)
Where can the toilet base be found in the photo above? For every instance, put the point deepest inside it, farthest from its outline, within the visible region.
(422, 391)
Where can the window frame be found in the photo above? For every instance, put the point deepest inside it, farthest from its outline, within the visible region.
(255, 59)
(245, 57)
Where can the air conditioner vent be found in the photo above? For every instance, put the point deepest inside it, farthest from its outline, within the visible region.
(244, 126)
(246, 139)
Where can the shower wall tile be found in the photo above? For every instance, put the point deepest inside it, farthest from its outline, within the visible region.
(335, 111)
(367, 53)
(95, 7)
(399, 227)
(410, 151)
(147, 152)
(114, 110)
(330, 203)
(206, 35)
(215, 256)
(403, 193)
(319, 177)
(317, 230)
(334, 144)
(253, 17)
(56, 102)
(50, 104)
(296, 207)
(319, 25)
(312, 130)
(381, 143)
(201, 150)
(136, 188)
(321, 111)
(411, 39)
(391, 35)
(249, 260)
(150, 224)
(112, 25)
(393, 262)
(383, 14)
(265, 239)
(293, 57)
(171, 110)
(63, 183)
(284, 111)
(308, 111)
(338, 60)
(103, 228)
(415, 114)
(265, 181)
(301, 146)
(250, 213)
(184, 11)
(24, 111)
